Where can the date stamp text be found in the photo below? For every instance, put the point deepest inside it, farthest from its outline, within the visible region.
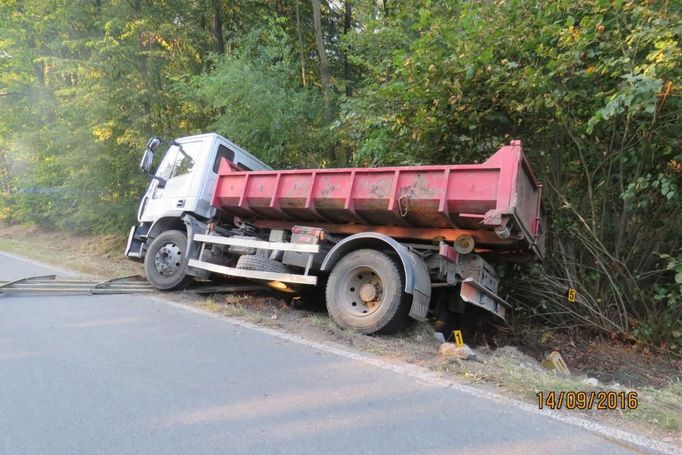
(601, 401)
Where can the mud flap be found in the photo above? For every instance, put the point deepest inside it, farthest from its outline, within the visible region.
(421, 288)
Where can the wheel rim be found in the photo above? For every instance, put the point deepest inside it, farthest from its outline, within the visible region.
(168, 259)
(361, 291)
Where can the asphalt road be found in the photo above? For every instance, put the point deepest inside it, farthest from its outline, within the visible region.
(130, 374)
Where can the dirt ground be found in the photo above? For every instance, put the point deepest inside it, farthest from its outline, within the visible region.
(609, 360)
(507, 359)
(96, 255)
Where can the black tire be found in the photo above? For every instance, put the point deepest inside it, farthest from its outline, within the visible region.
(365, 293)
(166, 261)
(253, 262)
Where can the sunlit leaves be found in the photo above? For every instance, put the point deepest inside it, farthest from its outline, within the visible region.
(255, 99)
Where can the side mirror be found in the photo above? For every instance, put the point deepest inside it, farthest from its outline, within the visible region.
(147, 158)
(153, 143)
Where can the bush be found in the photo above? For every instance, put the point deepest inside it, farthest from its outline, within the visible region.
(590, 87)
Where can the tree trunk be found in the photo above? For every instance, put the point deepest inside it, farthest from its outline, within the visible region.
(324, 69)
(142, 60)
(347, 69)
(218, 27)
(300, 45)
(319, 41)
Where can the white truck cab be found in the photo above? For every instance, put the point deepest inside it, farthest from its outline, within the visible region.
(183, 183)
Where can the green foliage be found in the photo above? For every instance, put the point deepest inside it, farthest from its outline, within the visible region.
(592, 87)
(665, 326)
(83, 87)
(252, 96)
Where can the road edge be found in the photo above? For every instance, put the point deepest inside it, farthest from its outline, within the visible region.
(422, 374)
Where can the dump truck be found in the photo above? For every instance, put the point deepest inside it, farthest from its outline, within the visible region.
(384, 244)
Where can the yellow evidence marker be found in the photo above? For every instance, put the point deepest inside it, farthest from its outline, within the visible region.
(457, 335)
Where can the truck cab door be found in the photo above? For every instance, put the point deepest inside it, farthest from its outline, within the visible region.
(181, 177)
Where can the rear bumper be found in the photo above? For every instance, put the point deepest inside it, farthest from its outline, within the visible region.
(475, 293)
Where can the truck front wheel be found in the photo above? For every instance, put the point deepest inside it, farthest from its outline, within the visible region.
(165, 262)
(365, 293)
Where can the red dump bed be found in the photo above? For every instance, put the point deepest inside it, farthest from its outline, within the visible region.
(497, 202)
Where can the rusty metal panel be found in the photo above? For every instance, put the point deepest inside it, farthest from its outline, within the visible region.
(500, 196)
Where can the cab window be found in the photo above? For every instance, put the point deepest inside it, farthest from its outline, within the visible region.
(223, 152)
(176, 164)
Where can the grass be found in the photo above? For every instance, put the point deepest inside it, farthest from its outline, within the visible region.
(100, 256)
(234, 309)
(518, 375)
(661, 407)
(319, 320)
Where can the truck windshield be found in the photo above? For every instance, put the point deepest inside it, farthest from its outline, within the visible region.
(175, 163)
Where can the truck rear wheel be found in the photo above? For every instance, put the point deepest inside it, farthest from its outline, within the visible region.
(165, 262)
(365, 293)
